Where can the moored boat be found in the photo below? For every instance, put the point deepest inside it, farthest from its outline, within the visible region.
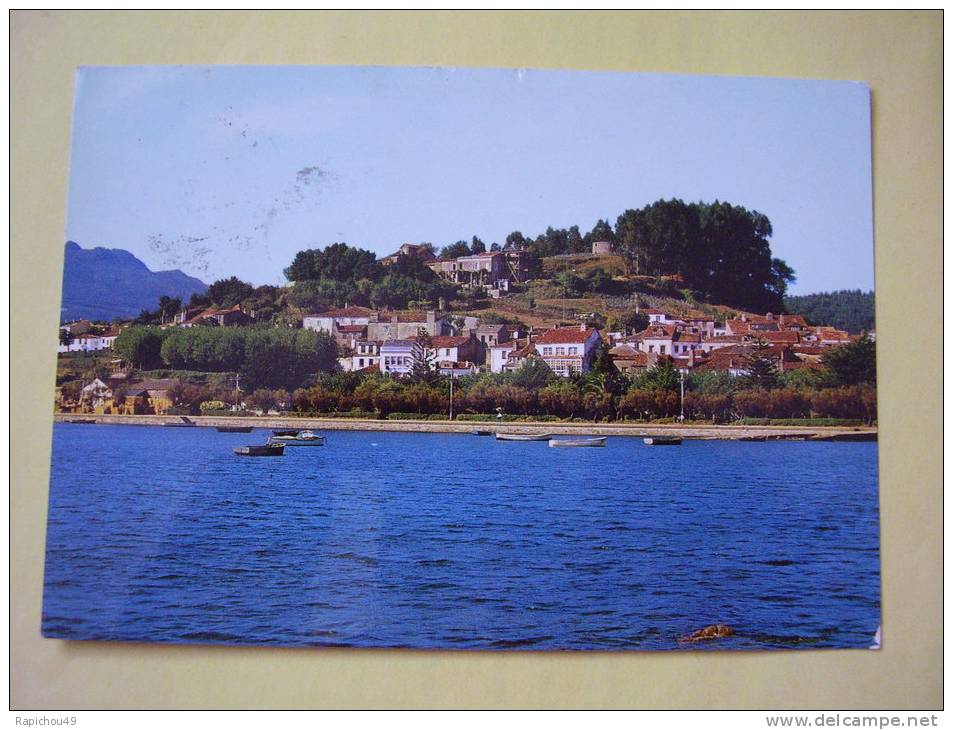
(662, 440)
(285, 431)
(597, 441)
(233, 429)
(482, 433)
(79, 420)
(302, 438)
(261, 450)
(523, 436)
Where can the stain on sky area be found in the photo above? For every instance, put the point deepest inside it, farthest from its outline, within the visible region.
(182, 252)
(189, 251)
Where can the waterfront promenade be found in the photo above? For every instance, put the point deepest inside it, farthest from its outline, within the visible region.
(692, 431)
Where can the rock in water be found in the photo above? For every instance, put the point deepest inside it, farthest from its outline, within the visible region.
(715, 631)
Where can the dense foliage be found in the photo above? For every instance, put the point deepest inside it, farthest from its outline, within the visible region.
(534, 391)
(718, 249)
(850, 310)
(269, 357)
(340, 275)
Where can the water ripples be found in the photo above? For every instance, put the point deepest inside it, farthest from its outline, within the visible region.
(438, 540)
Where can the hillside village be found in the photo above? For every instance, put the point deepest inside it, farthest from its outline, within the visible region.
(462, 344)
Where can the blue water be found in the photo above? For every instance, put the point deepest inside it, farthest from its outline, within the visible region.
(457, 541)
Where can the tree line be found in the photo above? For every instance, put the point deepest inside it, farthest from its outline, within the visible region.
(845, 388)
(341, 274)
(267, 357)
(850, 310)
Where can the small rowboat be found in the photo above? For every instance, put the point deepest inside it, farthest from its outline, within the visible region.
(233, 429)
(482, 433)
(662, 441)
(523, 436)
(265, 450)
(598, 441)
(285, 431)
(303, 438)
(80, 420)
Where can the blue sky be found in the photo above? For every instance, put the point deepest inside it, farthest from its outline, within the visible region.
(230, 170)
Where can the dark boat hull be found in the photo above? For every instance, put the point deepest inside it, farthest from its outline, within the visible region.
(233, 429)
(662, 441)
(267, 450)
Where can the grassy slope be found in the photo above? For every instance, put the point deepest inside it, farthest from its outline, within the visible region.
(543, 303)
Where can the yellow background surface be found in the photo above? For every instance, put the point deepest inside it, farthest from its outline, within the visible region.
(898, 54)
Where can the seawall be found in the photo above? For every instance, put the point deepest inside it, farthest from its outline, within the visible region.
(726, 432)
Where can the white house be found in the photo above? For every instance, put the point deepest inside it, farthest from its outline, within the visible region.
(326, 321)
(500, 353)
(568, 350)
(657, 316)
(396, 357)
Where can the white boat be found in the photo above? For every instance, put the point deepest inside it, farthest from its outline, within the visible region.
(302, 438)
(597, 441)
(523, 436)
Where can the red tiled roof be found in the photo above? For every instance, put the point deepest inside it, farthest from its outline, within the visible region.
(831, 334)
(448, 341)
(508, 345)
(724, 338)
(658, 332)
(562, 335)
(624, 352)
(786, 336)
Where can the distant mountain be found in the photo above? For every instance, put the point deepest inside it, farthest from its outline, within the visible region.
(104, 283)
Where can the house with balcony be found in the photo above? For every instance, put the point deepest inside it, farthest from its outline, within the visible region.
(568, 350)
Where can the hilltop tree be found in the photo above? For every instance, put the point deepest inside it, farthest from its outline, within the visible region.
(229, 292)
(455, 250)
(575, 242)
(515, 240)
(337, 261)
(477, 246)
(602, 231)
(717, 248)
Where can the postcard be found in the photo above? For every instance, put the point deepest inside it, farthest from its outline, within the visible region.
(470, 359)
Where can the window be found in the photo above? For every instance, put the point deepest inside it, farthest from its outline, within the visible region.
(573, 350)
(661, 349)
(360, 362)
(651, 348)
(547, 351)
(560, 350)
